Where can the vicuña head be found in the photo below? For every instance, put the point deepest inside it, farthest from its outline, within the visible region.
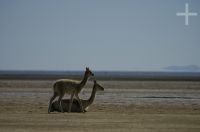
(98, 86)
(89, 72)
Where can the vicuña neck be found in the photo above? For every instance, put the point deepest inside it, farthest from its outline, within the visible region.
(83, 82)
(91, 99)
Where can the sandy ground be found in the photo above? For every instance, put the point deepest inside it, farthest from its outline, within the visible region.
(123, 106)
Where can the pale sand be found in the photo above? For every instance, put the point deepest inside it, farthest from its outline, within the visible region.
(123, 106)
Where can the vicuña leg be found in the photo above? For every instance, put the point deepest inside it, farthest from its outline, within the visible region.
(60, 102)
(71, 101)
(50, 103)
(80, 103)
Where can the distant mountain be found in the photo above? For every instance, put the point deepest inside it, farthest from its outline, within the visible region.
(188, 68)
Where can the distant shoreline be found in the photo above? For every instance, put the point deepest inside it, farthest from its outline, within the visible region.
(101, 75)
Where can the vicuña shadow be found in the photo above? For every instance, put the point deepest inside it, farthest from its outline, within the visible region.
(76, 105)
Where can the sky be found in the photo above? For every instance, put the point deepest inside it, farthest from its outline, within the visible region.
(122, 35)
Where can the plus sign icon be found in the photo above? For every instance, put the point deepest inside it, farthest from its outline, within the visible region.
(186, 14)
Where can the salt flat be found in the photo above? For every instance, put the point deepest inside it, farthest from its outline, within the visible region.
(123, 106)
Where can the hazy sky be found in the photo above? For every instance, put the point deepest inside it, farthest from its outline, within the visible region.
(102, 34)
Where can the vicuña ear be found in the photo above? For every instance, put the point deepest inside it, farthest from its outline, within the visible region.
(87, 68)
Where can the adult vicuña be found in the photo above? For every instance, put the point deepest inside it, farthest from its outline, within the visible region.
(72, 87)
(76, 106)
